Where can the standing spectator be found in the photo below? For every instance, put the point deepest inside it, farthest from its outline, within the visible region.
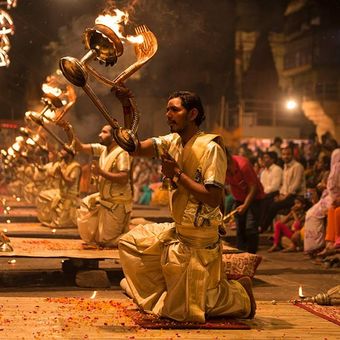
(248, 192)
(293, 184)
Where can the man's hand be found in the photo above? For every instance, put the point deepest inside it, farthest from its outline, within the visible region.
(95, 169)
(169, 166)
(122, 93)
(241, 209)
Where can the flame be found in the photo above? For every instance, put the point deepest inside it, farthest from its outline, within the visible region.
(51, 89)
(10, 151)
(30, 141)
(116, 22)
(135, 39)
(49, 114)
(16, 147)
(93, 295)
(300, 292)
(19, 139)
(36, 137)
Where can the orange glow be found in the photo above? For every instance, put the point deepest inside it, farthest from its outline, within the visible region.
(51, 89)
(300, 292)
(116, 22)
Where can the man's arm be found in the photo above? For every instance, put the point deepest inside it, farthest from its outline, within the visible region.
(297, 178)
(80, 147)
(241, 209)
(69, 180)
(125, 96)
(120, 177)
(275, 180)
(209, 194)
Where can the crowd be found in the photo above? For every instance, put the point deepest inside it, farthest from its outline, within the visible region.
(290, 189)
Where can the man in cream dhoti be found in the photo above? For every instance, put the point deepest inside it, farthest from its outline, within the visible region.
(104, 216)
(57, 209)
(174, 270)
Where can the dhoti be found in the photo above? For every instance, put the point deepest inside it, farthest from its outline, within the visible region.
(172, 279)
(102, 222)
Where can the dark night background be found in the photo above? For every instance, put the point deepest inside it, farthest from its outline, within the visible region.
(196, 50)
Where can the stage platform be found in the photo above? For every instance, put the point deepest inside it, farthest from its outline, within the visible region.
(36, 229)
(56, 248)
(28, 214)
(108, 318)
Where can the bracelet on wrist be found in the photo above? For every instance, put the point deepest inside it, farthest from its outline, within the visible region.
(177, 176)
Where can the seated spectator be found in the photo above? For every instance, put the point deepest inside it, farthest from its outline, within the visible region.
(271, 176)
(314, 239)
(318, 175)
(293, 185)
(289, 224)
(332, 231)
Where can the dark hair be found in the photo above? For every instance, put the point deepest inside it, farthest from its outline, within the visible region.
(301, 199)
(190, 100)
(272, 155)
(326, 160)
(278, 140)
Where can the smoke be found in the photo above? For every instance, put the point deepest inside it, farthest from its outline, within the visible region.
(194, 40)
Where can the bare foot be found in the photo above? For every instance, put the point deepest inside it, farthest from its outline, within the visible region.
(273, 248)
(125, 287)
(289, 250)
(248, 286)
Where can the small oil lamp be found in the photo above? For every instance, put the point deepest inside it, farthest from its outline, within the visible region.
(5, 243)
(331, 298)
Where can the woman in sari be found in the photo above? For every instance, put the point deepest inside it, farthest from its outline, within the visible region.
(314, 239)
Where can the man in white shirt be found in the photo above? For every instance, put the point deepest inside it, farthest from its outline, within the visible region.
(293, 184)
(271, 176)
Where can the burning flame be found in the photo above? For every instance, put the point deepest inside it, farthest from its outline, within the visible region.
(51, 89)
(93, 295)
(16, 147)
(49, 114)
(116, 22)
(300, 292)
(30, 141)
(19, 139)
(10, 151)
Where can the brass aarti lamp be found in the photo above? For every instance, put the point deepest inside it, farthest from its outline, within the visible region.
(53, 103)
(104, 45)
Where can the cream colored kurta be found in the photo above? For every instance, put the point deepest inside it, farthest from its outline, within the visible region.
(32, 189)
(57, 207)
(175, 269)
(104, 216)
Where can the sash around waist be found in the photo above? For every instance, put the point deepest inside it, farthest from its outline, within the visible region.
(197, 237)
